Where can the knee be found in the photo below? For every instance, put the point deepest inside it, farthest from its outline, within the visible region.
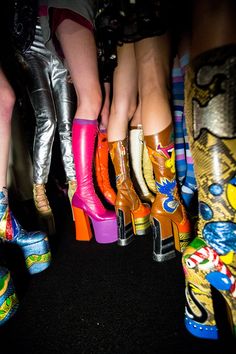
(90, 103)
(156, 88)
(131, 109)
(125, 110)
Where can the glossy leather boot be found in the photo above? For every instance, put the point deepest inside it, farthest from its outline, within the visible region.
(85, 202)
(210, 259)
(101, 168)
(171, 226)
(34, 244)
(132, 215)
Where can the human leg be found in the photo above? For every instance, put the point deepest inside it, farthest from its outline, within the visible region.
(65, 105)
(8, 299)
(132, 215)
(37, 70)
(81, 57)
(170, 224)
(7, 102)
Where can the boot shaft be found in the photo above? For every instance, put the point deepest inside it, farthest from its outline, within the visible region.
(120, 159)
(126, 195)
(102, 168)
(161, 151)
(210, 93)
(136, 143)
(162, 154)
(85, 198)
(101, 154)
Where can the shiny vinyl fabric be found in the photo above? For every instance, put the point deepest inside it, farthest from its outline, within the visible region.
(53, 99)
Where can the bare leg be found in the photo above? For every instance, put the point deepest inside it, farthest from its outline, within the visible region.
(137, 119)
(79, 48)
(7, 101)
(105, 112)
(124, 100)
(153, 61)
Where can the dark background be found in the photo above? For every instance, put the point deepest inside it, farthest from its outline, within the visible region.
(96, 299)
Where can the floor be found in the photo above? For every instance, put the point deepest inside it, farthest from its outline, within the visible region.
(101, 299)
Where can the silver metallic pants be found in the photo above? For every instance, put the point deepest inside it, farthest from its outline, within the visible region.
(53, 99)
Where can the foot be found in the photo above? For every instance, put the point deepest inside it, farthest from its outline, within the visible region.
(40, 199)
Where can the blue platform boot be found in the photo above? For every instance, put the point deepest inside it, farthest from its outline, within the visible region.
(34, 244)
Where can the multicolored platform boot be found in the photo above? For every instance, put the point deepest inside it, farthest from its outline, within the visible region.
(34, 245)
(101, 167)
(171, 227)
(136, 158)
(8, 299)
(132, 215)
(210, 259)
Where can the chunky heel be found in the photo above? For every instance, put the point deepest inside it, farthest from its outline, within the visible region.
(169, 237)
(37, 256)
(103, 221)
(106, 230)
(82, 225)
(8, 299)
(163, 239)
(125, 226)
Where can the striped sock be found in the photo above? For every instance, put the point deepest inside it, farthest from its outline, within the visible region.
(178, 107)
(190, 180)
(189, 185)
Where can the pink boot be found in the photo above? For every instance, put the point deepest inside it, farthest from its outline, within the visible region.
(85, 203)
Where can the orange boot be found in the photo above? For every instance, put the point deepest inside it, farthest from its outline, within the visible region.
(101, 167)
(170, 224)
(132, 215)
